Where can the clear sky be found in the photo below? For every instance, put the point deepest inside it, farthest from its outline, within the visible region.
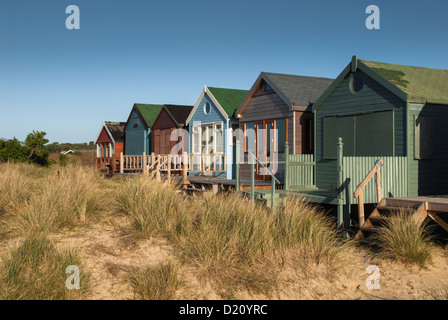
(66, 82)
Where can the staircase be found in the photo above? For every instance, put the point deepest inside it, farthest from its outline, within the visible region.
(383, 211)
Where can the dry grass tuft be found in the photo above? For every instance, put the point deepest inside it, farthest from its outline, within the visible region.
(402, 239)
(35, 270)
(62, 200)
(158, 282)
(236, 245)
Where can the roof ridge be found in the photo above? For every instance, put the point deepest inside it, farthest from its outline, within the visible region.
(402, 65)
(296, 75)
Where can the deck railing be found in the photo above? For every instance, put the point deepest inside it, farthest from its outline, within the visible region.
(390, 175)
(108, 164)
(359, 192)
(254, 159)
(173, 163)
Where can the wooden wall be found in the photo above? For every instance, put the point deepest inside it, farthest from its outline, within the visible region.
(264, 107)
(137, 139)
(429, 175)
(373, 97)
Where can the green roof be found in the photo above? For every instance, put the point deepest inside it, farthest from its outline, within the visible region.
(149, 112)
(229, 99)
(422, 85)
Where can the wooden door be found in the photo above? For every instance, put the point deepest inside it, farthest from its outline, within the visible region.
(264, 144)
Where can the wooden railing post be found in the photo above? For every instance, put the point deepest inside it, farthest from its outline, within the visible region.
(169, 167)
(361, 209)
(286, 174)
(359, 190)
(379, 191)
(158, 171)
(237, 166)
(340, 154)
(121, 163)
(144, 167)
(252, 178)
(272, 194)
(185, 166)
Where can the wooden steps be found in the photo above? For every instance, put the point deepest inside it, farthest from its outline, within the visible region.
(379, 216)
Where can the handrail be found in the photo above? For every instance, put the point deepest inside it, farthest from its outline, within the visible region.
(252, 181)
(259, 162)
(369, 176)
(359, 192)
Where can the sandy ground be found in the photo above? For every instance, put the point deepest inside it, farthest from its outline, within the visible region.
(109, 249)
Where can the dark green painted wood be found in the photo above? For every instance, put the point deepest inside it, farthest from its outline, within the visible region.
(429, 176)
(342, 102)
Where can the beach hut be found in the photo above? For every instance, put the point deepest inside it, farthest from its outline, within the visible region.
(278, 110)
(169, 130)
(210, 125)
(138, 128)
(380, 110)
(109, 144)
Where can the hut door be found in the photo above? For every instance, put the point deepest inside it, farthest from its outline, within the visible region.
(264, 148)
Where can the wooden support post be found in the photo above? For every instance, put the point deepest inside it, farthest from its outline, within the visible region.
(379, 191)
(185, 167)
(252, 178)
(158, 171)
(340, 153)
(169, 168)
(144, 166)
(361, 209)
(237, 167)
(121, 163)
(272, 194)
(437, 219)
(286, 175)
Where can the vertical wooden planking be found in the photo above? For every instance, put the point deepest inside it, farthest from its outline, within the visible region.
(393, 176)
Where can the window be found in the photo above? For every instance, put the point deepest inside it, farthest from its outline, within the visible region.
(207, 108)
(136, 121)
(356, 83)
(196, 139)
(218, 138)
(249, 137)
(208, 138)
(370, 134)
(265, 88)
(423, 137)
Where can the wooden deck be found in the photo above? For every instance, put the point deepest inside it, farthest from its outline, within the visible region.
(437, 203)
(229, 183)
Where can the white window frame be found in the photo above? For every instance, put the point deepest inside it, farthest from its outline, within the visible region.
(214, 124)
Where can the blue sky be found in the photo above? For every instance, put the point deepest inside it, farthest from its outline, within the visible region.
(66, 82)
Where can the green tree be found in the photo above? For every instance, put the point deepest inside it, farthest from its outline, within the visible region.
(12, 150)
(38, 152)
